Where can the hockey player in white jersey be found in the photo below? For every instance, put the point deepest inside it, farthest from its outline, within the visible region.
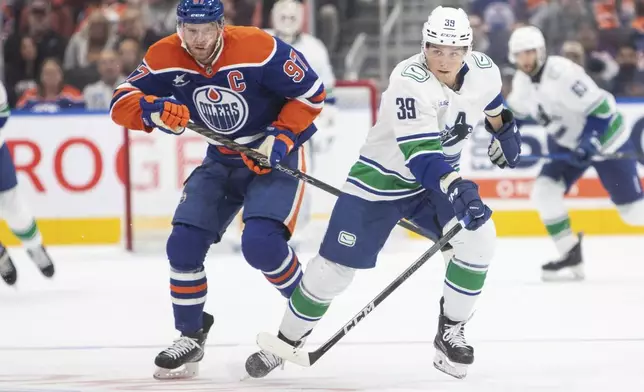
(583, 124)
(433, 100)
(14, 211)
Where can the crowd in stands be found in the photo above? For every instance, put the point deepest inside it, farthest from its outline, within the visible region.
(606, 37)
(73, 53)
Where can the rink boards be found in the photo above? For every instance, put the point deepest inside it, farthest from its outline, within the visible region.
(72, 170)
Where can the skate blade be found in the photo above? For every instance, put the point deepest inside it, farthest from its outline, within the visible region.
(275, 345)
(442, 363)
(568, 274)
(187, 371)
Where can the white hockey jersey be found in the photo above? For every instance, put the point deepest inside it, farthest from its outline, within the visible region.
(560, 98)
(4, 110)
(420, 115)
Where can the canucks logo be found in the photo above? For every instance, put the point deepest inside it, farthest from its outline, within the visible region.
(220, 108)
(460, 131)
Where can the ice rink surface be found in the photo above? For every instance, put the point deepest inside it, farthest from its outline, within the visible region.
(99, 324)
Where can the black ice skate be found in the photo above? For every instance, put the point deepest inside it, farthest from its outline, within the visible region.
(259, 364)
(40, 256)
(181, 360)
(7, 269)
(569, 268)
(453, 354)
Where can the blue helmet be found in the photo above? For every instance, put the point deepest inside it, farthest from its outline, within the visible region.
(200, 11)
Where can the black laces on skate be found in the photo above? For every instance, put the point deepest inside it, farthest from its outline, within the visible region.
(180, 347)
(454, 335)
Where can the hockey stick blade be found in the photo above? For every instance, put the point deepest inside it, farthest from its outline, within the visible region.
(274, 345)
(263, 160)
(277, 346)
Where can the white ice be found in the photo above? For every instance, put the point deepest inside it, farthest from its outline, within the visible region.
(99, 324)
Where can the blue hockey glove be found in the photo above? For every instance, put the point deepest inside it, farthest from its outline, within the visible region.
(588, 147)
(464, 196)
(505, 147)
(278, 143)
(167, 114)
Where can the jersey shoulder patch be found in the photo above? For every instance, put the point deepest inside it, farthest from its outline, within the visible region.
(416, 72)
(481, 60)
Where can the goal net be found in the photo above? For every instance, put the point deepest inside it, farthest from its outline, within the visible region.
(158, 165)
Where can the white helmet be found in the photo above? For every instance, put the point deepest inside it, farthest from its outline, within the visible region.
(288, 18)
(527, 38)
(447, 26)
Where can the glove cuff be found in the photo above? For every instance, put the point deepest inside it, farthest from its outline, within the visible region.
(285, 136)
(447, 181)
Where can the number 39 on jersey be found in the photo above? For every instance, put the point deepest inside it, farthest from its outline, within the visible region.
(406, 108)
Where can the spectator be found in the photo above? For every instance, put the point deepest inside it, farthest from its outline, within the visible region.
(481, 42)
(98, 95)
(86, 45)
(597, 61)
(132, 26)
(498, 21)
(59, 17)
(328, 19)
(51, 95)
(560, 20)
(637, 25)
(22, 75)
(230, 12)
(573, 51)
(160, 16)
(629, 80)
(130, 55)
(244, 12)
(48, 42)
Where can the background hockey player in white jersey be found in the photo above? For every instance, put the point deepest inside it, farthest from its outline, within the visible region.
(14, 211)
(582, 123)
(433, 100)
(287, 18)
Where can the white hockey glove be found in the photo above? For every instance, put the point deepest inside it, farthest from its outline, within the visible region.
(326, 118)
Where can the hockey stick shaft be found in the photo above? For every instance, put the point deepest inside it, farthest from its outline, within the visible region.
(273, 344)
(563, 157)
(263, 160)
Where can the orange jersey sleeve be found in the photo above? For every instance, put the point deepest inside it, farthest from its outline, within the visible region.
(145, 80)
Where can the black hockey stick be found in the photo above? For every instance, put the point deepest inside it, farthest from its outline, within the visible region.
(283, 350)
(263, 160)
(563, 157)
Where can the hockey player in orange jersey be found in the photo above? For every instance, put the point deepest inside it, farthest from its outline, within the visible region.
(255, 89)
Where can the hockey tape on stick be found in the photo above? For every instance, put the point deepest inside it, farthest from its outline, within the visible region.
(273, 344)
(565, 157)
(264, 161)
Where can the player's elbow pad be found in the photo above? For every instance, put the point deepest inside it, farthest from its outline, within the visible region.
(429, 169)
(596, 124)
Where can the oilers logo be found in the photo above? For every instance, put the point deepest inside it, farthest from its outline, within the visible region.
(220, 108)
